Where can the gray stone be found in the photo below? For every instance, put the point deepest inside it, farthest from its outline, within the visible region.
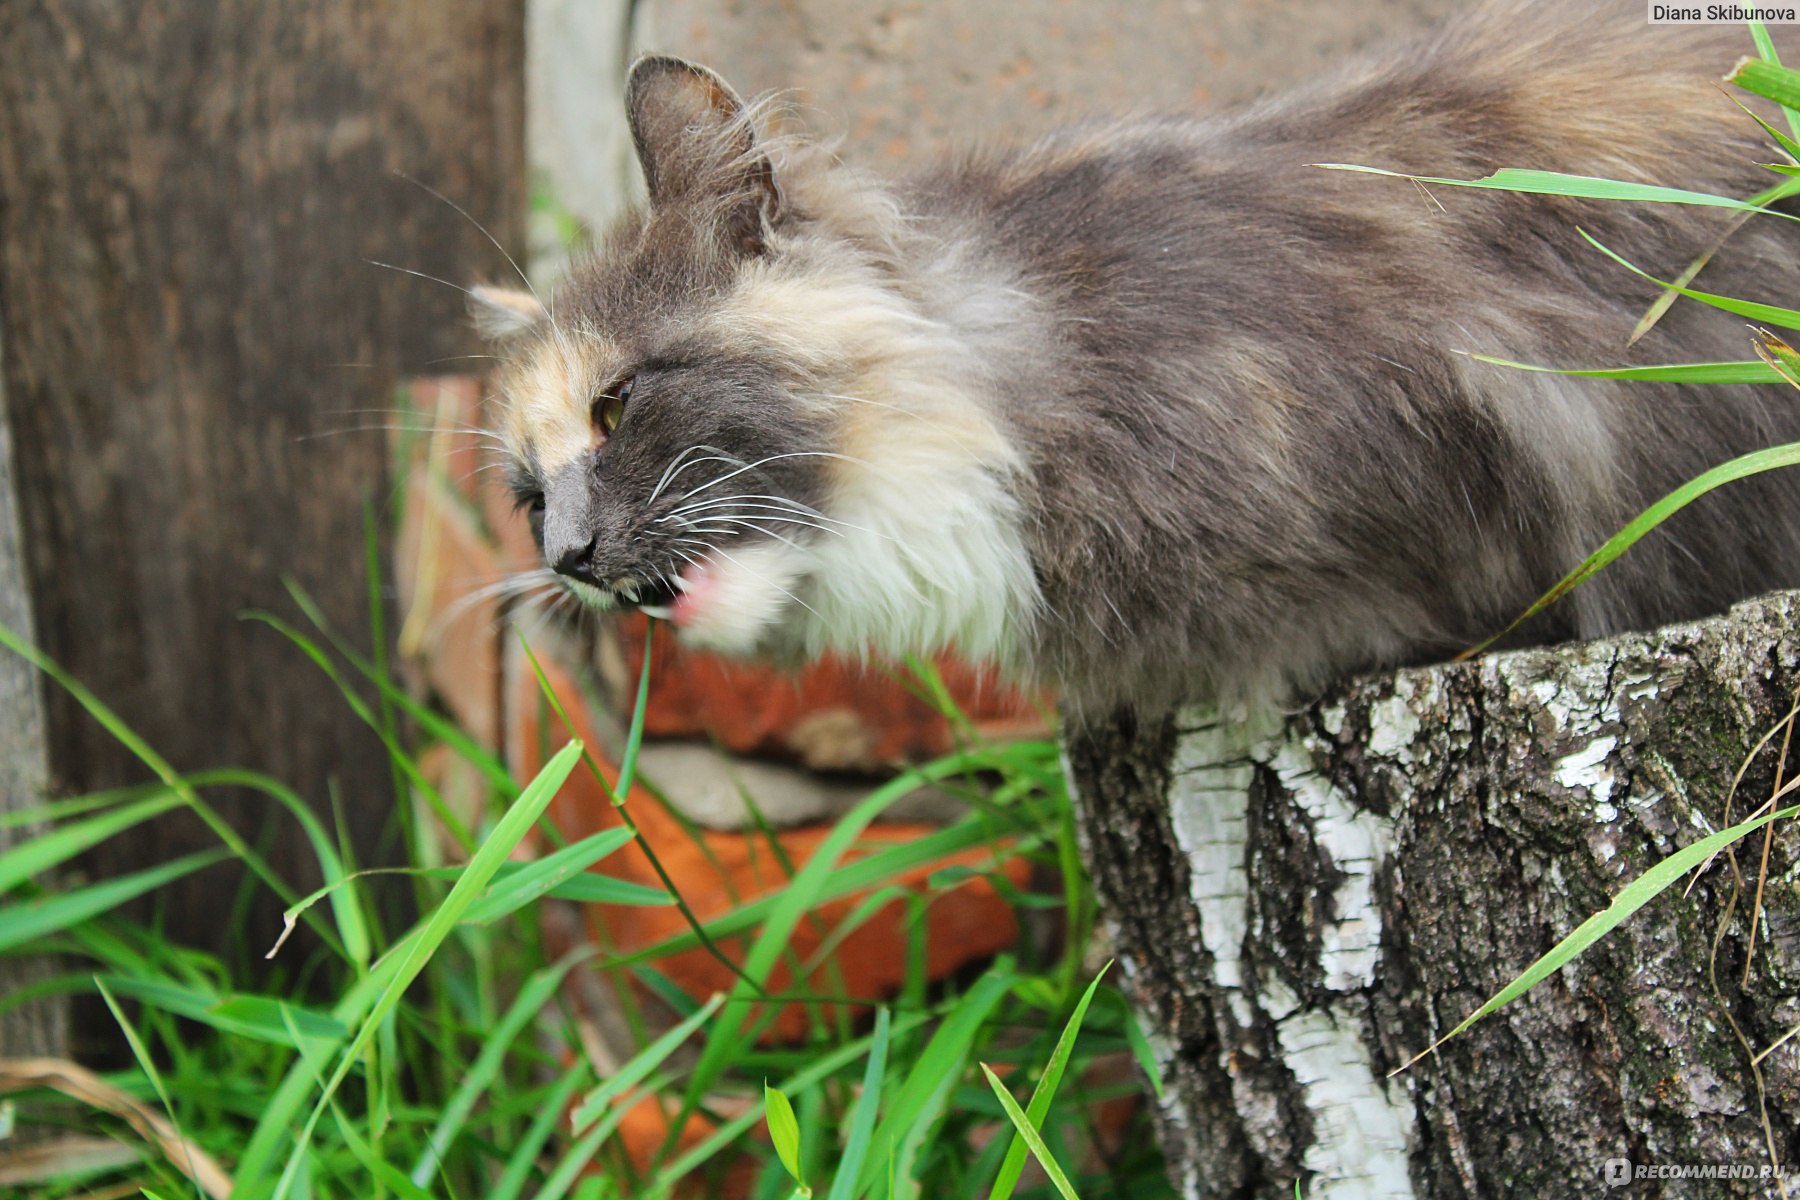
(714, 789)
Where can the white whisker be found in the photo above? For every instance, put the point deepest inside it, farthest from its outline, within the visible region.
(751, 522)
(784, 501)
(773, 458)
(797, 600)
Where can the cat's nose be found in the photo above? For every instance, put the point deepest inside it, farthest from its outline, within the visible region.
(577, 563)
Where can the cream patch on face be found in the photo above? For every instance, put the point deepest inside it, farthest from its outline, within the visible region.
(549, 399)
(925, 547)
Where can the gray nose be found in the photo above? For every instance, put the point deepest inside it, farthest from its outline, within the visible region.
(569, 532)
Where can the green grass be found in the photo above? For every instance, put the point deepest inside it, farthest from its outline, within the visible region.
(441, 1058)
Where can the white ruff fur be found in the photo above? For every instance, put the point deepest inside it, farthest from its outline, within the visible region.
(927, 551)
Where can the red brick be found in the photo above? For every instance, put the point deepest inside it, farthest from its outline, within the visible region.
(714, 871)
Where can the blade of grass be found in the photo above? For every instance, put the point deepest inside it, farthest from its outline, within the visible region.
(307, 1073)
(1581, 187)
(641, 1064)
(1715, 372)
(61, 810)
(265, 1018)
(1781, 357)
(1633, 896)
(433, 723)
(1768, 79)
(31, 919)
(1043, 1093)
(604, 889)
(383, 1172)
(511, 1184)
(727, 1133)
(1738, 468)
(1765, 48)
(869, 871)
(784, 1133)
(372, 564)
(159, 766)
(181, 1153)
(513, 890)
(621, 788)
(792, 904)
(579, 1156)
(945, 1056)
(1139, 1042)
(512, 828)
(345, 911)
(1029, 1133)
(1773, 314)
(861, 1125)
(56, 847)
(453, 824)
(539, 989)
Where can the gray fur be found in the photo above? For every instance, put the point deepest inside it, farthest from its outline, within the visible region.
(1254, 456)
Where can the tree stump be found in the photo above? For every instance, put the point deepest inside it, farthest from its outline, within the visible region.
(1303, 903)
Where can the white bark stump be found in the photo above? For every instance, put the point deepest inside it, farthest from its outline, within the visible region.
(1300, 908)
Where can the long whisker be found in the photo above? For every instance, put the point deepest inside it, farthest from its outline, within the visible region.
(680, 514)
(774, 458)
(784, 501)
(520, 587)
(692, 528)
(752, 523)
(465, 430)
(771, 533)
(421, 275)
(797, 600)
(479, 226)
(432, 362)
(497, 444)
(671, 471)
(734, 505)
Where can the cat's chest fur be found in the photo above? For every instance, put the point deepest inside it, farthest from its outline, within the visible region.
(1159, 409)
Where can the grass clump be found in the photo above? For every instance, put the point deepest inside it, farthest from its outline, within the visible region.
(441, 1056)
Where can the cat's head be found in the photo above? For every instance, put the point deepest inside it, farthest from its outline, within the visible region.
(739, 415)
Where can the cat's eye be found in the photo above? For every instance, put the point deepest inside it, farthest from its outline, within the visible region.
(531, 503)
(609, 407)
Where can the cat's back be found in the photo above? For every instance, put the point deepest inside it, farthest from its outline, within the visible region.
(1258, 387)
(1180, 201)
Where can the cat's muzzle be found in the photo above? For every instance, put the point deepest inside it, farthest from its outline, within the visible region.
(655, 598)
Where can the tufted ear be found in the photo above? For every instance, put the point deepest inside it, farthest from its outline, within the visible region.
(502, 313)
(697, 143)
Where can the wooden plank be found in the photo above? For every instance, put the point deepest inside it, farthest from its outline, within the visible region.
(39, 1028)
(188, 195)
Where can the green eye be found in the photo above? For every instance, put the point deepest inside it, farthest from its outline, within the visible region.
(609, 408)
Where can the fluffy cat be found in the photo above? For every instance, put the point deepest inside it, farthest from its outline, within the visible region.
(1156, 409)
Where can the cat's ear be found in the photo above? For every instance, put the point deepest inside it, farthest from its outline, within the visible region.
(503, 313)
(696, 142)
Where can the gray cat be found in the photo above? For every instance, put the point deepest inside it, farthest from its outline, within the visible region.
(1156, 409)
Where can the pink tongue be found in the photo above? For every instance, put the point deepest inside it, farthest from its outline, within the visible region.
(698, 585)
